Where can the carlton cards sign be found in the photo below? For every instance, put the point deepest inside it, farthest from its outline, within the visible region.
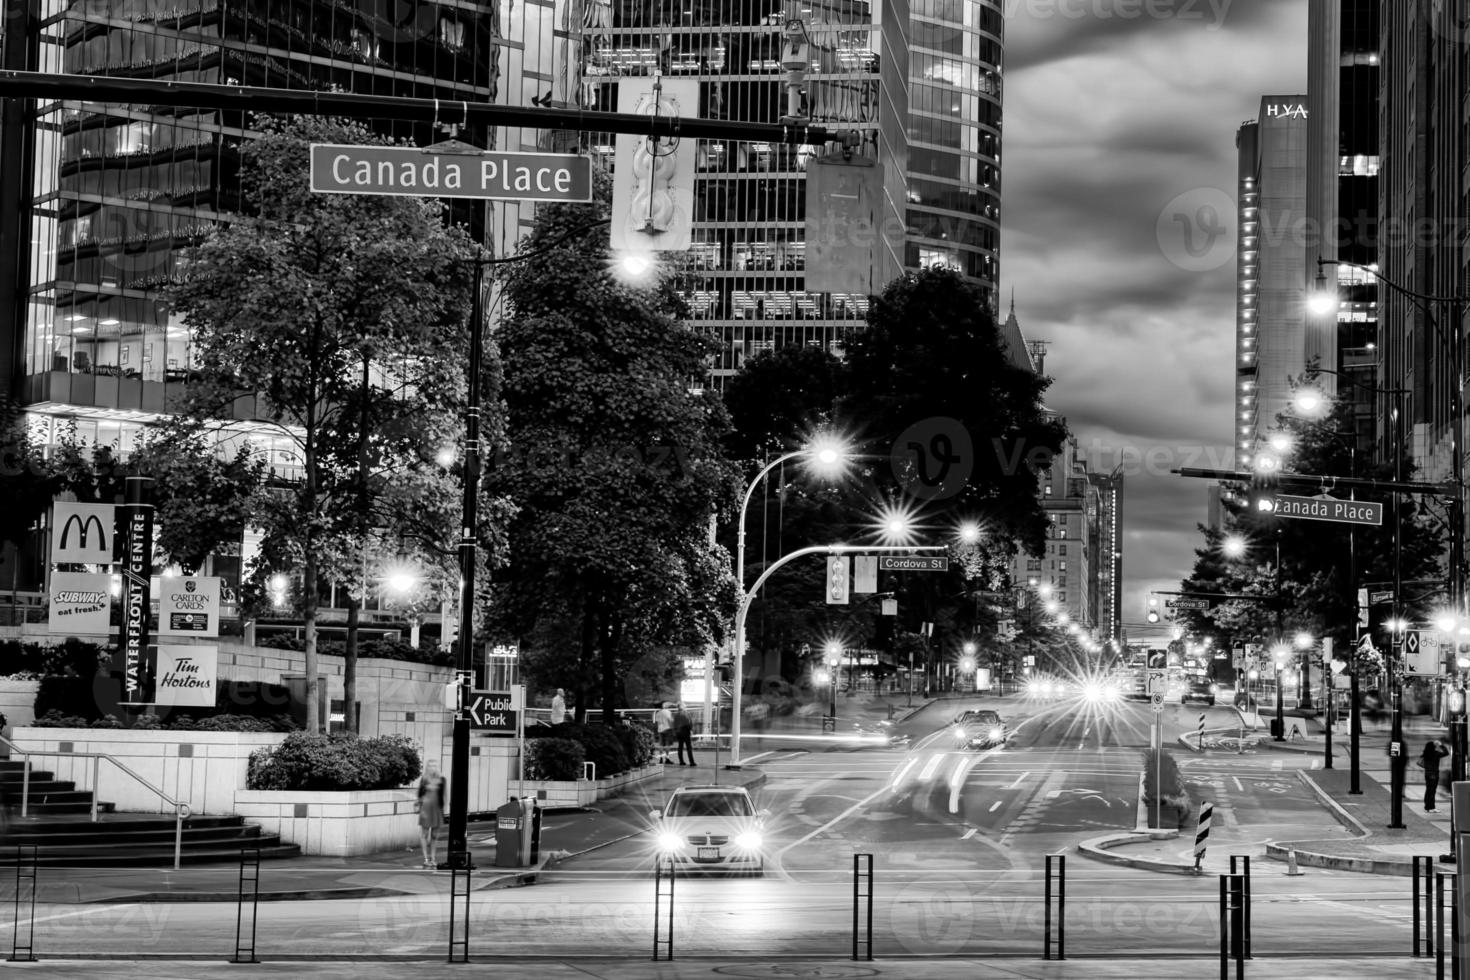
(469, 172)
(188, 606)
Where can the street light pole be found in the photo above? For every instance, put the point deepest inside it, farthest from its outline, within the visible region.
(1398, 757)
(748, 597)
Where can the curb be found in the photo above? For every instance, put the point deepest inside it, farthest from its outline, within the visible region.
(1277, 850)
(510, 879)
(1099, 850)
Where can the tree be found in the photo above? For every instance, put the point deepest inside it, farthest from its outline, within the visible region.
(1317, 559)
(616, 468)
(780, 396)
(345, 316)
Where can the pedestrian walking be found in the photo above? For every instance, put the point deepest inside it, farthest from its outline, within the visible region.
(684, 734)
(431, 813)
(663, 723)
(1434, 750)
(559, 707)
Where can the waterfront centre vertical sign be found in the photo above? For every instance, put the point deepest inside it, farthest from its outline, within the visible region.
(135, 556)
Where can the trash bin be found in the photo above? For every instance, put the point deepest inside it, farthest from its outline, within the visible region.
(517, 834)
(1278, 727)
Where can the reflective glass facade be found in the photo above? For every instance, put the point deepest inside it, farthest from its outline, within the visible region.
(117, 193)
(954, 129)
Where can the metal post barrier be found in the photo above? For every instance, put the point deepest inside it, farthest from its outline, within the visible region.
(1444, 881)
(663, 894)
(460, 866)
(1423, 899)
(1232, 925)
(1245, 871)
(249, 875)
(862, 930)
(24, 952)
(1058, 873)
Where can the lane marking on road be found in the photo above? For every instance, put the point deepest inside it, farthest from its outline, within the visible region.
(1238, 787)
(68, 915)
(1019, 780)
(995, 806)
(971, 832)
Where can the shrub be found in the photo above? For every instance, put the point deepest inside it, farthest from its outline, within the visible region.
(1164, 783)
(232, 723)
(602, 746)
(554, 758)
(147, 723)
(338, 762)
(107, 721)
(639, 743)
(58, 719)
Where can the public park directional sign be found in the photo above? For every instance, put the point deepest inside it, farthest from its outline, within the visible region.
(463, 171)
(492, 712)
(1329, 509)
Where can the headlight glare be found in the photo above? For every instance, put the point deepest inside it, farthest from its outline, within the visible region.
(748, 840)
(669, 841)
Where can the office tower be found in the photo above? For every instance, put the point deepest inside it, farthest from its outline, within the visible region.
(1424, 196)
(1342, 197)
(1270, 268)
(115, 193)
(1107, 555)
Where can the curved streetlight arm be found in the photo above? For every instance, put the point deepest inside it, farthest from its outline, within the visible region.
(1404, 290)
(745, 504)
(747, 597)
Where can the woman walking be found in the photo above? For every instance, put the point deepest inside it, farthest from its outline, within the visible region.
(431, 813)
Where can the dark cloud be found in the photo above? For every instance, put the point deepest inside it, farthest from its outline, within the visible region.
(1119, 131)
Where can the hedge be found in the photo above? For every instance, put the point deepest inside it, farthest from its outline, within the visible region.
(554, 758)
(247, 706)
(375, 649)
(337, 762)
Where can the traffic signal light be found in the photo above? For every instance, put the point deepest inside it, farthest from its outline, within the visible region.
(1457, 701)
(1153, 609)
(1264, 484)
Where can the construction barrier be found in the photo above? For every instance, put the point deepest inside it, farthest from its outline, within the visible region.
(1202, 833)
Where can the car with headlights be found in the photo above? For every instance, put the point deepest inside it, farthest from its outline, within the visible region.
(980, 729)
(1199, 692)
(711, 828)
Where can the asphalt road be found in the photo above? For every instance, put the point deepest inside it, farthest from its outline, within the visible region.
(958, 837)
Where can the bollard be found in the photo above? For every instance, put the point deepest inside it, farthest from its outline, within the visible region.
(1292, 871)
(1423, 882)
(1245, 924)
(24, 952)
(663, 896)
(249, 875)
(460, 866)
(1444, 881)
(1232, 925)
(862, 871)
(1061, 893)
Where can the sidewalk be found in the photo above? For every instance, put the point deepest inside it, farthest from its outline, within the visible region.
(1369, 845)
(640, 967)
(389, 873)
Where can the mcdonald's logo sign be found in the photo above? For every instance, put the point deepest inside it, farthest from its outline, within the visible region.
(82, 533)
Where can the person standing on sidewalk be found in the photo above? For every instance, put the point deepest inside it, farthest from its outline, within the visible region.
(1434, 750)
(559, 707)
(663, 722)
(684, 734)
(431, 813)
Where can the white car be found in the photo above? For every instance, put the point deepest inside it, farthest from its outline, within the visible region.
(714, 828)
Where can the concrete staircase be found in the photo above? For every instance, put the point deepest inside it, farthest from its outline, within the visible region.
(59, 824)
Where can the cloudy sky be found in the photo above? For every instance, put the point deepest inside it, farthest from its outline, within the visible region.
(1120, 121)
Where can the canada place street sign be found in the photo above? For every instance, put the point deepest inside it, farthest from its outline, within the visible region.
(1330, 509)
(408, 171)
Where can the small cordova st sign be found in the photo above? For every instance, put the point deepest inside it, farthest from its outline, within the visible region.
(1330, 509)
(487, 174)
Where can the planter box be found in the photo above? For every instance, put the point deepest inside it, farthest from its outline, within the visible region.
(18, 702)
(335, 824)
(585, 792)
(202, 769)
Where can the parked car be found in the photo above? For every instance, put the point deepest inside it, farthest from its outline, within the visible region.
(711, 828)
(980, 729)
(1199, 692)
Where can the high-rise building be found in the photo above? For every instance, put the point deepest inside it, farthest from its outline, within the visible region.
(1270, 325)
(1423, 200)
(1343, 77)
(955, 56)
(1107, 556)
(115, 193)
(1066, 569)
